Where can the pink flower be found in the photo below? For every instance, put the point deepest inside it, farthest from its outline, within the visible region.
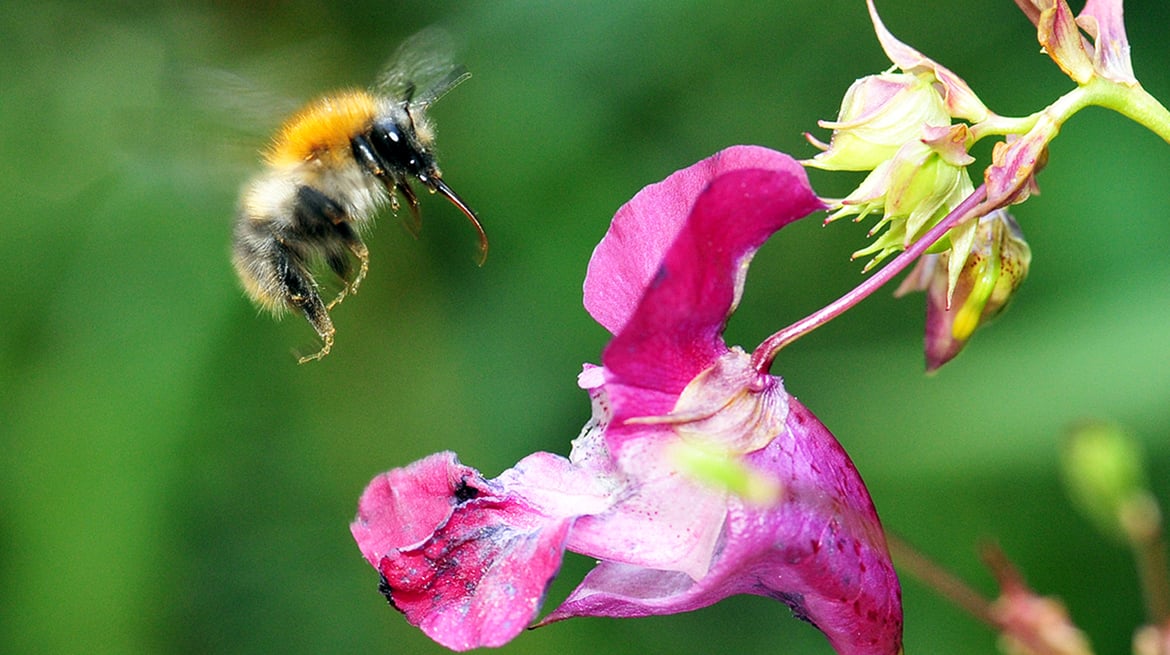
(697, 478)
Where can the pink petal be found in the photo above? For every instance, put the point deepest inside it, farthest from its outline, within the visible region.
(950, 143)
(821, 551)
(1102, 19)
(663, 521)
(402, 507)
(462, 558)
(1011, 178)
(642, 231)
(673, 332)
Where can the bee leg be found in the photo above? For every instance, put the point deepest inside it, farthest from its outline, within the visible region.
(301, 292)
(340, 264)
(319, 216)
(318, 317)
(360, 251)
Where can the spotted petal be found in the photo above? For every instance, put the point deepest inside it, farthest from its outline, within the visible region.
(466, 559)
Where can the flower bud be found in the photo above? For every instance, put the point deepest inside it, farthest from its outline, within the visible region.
(961, 101)
(914, 189)
(878, 115)
(958, 302)
(1104, 471)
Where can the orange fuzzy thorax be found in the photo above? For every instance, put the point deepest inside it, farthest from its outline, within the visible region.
(323, 128)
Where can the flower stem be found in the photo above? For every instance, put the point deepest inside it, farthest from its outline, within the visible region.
(1133, 102)
(766, 352)
(947, 584)
(996, 125)
(1142, 522)
(1151, 558)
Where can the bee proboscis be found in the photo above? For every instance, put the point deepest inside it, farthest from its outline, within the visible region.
(328, 171)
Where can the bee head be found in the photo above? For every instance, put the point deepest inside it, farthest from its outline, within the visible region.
(399, 149)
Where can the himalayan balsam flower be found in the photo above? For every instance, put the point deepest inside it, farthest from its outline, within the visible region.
(697, 477)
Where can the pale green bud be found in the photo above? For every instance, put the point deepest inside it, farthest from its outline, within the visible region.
(878, 115)
(1104, 471)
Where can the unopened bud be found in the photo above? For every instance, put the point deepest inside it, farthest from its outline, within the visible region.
(984, 285)
(1104, 470)
(878, 115)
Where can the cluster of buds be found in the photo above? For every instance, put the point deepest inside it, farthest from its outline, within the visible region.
(896, 126)
(912, 128)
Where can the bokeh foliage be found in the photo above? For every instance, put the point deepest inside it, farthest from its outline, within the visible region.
(172, 481)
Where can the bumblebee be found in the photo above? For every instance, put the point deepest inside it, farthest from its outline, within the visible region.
(331, 167)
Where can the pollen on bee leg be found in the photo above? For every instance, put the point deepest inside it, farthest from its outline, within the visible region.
(328, 345)
(360, 251)
(310, 304)
(318, 316)
(345, 290)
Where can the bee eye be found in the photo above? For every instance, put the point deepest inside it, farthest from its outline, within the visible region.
(392, 145)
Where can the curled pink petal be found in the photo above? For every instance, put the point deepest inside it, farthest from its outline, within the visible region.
(642, 231)
(471, 562)
(950, 143)
(674, 331)
(1107, 54)
(402, 507)
(1102, 20)
(1059, 36)
(1011, 178)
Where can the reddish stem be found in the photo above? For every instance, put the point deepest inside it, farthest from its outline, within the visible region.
(766, 352)
(947, 584)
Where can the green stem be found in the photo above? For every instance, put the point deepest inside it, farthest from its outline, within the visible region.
(1133, 102)
(996, 125)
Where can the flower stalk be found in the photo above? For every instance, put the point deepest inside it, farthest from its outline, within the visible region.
(766, 352)
(1133, 102)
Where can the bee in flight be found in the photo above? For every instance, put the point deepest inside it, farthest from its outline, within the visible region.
(328, 171)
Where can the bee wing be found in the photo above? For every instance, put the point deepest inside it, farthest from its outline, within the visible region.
(422, 69)
(248, 105)
(235, 111)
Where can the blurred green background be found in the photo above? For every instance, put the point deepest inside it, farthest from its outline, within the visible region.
(173, 482)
